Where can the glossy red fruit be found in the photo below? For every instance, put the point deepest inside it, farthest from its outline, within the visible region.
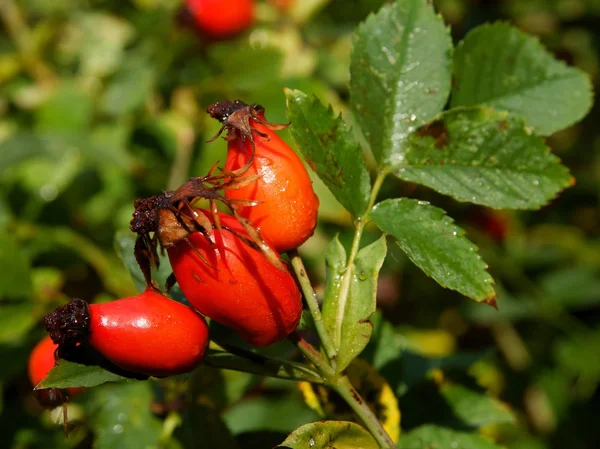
(235, 285)
(286, 214)
(41, 361)
(147, 334)
(221, 19)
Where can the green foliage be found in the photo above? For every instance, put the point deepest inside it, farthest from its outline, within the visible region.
(120, 415)
(101, 104)
(329, 435)
(331, 150)
(475, 409)
(350, 298)
(399, 74)
(432, 436)
(70, 374)
(15, 276)
(497, 65)
(484, 157)
(124, 243)
(436, 245)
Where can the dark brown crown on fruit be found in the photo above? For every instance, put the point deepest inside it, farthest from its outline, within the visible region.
(69, 325)
(222, 110)
(145, 215)
(236, 117)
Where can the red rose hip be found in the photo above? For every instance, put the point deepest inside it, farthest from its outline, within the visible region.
(235, 284)
(147, 334)
(286, 213)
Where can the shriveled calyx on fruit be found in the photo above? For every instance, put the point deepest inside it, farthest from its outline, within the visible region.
(69, 325)
(235, 117)
(170, 218)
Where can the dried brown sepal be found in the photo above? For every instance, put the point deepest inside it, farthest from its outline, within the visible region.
(261, 245)
(146, 256)
(69, 325)
(236, 117)
(491, 302)
(174, 227)
(171, 218)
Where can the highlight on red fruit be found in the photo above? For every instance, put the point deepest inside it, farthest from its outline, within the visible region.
(286, 213)
(41, 361)
(146, 334)
(221, 19)
(236, 285)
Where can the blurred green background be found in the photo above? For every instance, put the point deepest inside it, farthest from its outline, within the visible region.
(102, 102)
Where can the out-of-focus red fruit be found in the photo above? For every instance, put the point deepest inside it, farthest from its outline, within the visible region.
(221, 19)
(41, 361)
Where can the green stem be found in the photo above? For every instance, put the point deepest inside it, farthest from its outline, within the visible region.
(281, 369)
(312, 355)
(349, 271)
(313, 305)
(345, 389)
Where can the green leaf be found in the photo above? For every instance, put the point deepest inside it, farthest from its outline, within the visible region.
(498, 65)
(475, 409)
(428, 437)
(121, 416)
(21, 147)
(130, 89)
(55, 147)
(577, 353)
(331, 149)
(436, 245)
(558, 286)
(348, 305)
(385, 346)
(68, 110)
(124, 243)
(15, 275)
(201, 419)
(330, 435)
(414, 368)
(268, 413)
(99, 41)
(399, 74)
(16, 320)
(71, 374)
(485, 157)
(244, 67)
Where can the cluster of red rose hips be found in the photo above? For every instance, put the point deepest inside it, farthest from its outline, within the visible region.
(227, 266)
